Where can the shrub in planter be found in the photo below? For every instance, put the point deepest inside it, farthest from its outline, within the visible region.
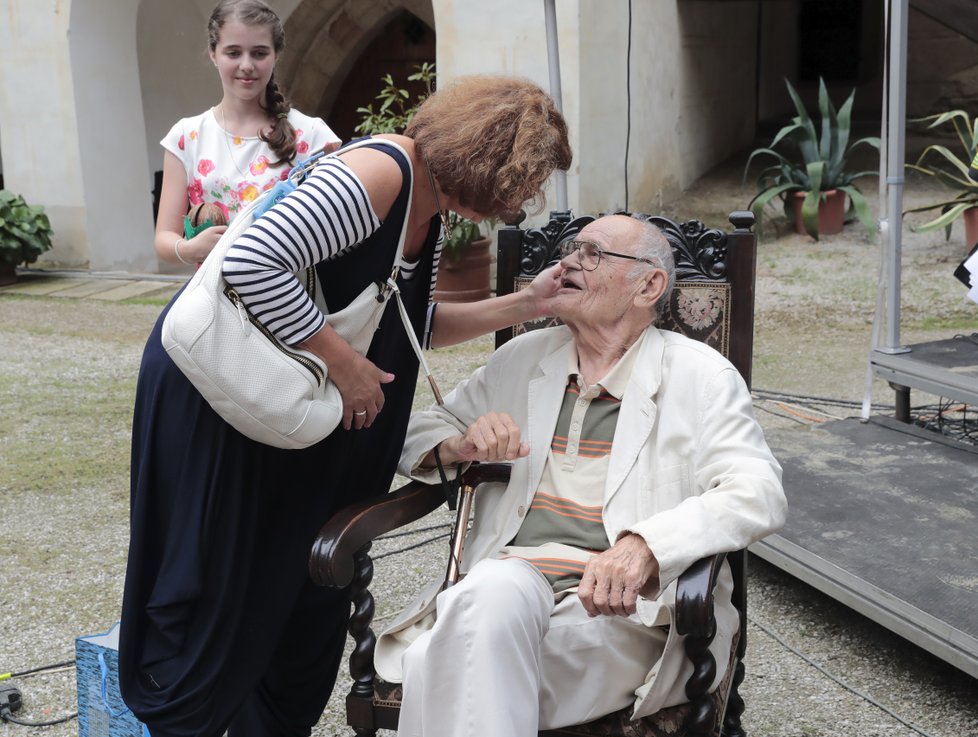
(952, 169)
(812, 162)
(463, 273)
(25, 231)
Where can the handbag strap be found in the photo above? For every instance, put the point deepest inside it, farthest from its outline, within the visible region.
(390, 286)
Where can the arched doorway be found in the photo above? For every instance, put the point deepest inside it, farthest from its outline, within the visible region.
(403, 44)
(338, 51)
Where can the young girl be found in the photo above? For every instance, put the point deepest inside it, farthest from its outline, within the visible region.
(232, 152)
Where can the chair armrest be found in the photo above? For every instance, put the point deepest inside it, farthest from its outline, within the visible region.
(331, 562)
(694, 597)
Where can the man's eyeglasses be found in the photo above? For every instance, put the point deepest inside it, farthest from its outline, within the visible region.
(589, 254)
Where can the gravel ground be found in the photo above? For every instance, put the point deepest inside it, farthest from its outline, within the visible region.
(815, 669)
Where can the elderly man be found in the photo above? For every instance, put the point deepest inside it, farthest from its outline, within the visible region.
(635, 452)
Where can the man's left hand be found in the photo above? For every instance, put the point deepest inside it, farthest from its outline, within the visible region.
(614, 579)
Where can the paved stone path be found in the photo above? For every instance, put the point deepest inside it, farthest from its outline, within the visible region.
(87, 285)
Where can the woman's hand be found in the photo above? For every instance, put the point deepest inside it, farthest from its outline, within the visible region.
(359, 382)
(492, 437)
(542, 289)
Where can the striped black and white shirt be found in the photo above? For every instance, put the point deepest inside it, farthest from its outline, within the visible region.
(329, 214)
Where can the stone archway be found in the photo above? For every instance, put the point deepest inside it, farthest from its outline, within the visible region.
(327, 39)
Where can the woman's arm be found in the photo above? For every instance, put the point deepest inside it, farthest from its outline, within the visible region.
(339, 205)
(169, 242)
(457, 322)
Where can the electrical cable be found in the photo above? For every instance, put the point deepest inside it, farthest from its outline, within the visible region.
(628, 97)
(13, 720)
(410, 547)
(864, 696)
(391, 535)
(39, 669)
(11, 701)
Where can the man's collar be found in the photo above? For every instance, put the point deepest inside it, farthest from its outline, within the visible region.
(616, 380)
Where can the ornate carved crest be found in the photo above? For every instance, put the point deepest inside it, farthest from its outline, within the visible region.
(542, 245)
(700, 252)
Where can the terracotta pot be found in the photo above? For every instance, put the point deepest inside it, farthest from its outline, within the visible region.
(970, 217)
(831, 212)
(465, 279)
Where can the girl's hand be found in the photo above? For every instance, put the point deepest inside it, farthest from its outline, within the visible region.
(202, 244)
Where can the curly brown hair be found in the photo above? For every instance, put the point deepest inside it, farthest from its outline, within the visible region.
(282, 136)
(491, 142)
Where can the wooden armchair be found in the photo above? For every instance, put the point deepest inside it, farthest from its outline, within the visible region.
(713, 301)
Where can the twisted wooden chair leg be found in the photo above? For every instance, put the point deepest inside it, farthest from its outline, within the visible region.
(735, 705)
(364, 640)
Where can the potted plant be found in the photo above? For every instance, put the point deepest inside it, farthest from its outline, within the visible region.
(396, 106)
(951, 170)
(810, 176)
(25, 233)
(464, 269)
(463, 272)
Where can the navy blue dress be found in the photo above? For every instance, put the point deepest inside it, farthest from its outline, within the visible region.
(221, 627)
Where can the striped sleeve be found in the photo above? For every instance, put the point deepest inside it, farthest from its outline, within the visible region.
(328, 214)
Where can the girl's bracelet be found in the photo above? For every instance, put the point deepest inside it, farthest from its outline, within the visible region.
(176, 250)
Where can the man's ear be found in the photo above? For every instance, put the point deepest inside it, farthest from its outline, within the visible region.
(654, 283)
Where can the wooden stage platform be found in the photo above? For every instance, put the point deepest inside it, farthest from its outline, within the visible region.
(883, 517)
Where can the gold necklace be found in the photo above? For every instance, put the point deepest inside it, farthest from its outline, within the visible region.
(227, 143)
(441, 213)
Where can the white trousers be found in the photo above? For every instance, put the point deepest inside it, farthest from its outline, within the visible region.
(504, 661)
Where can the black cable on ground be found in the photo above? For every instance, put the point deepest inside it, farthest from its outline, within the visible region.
(39, 669)
(391, 535)
(13, 720)
(864, 696)
(410, 547)
(11, 701)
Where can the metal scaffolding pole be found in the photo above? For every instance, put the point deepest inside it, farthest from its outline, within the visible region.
(553, 62)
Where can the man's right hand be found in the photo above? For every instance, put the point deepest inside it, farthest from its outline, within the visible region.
(492, 437)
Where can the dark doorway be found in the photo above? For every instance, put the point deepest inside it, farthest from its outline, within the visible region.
(831, 36)
(403, 44)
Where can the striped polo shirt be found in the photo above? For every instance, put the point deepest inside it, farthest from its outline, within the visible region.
(563, 528)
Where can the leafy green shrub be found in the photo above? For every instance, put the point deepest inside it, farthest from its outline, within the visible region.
(25, 231)
(394, 113)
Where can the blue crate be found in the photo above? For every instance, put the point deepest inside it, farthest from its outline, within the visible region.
(101, 711)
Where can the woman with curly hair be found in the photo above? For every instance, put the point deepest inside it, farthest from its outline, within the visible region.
(222, 628)
(229, 154)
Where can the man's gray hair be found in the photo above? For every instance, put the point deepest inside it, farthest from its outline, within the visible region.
(654, 246)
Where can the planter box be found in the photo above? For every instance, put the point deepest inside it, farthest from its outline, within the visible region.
(831, 212)
(465, 279)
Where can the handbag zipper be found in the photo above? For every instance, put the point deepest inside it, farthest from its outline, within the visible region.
(309, 365)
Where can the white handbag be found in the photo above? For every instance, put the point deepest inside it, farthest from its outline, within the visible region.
(273, 393)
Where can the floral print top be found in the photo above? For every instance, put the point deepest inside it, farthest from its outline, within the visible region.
(231, 171)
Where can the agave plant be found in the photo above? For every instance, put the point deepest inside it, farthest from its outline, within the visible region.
(814, 161)
(949, 169)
